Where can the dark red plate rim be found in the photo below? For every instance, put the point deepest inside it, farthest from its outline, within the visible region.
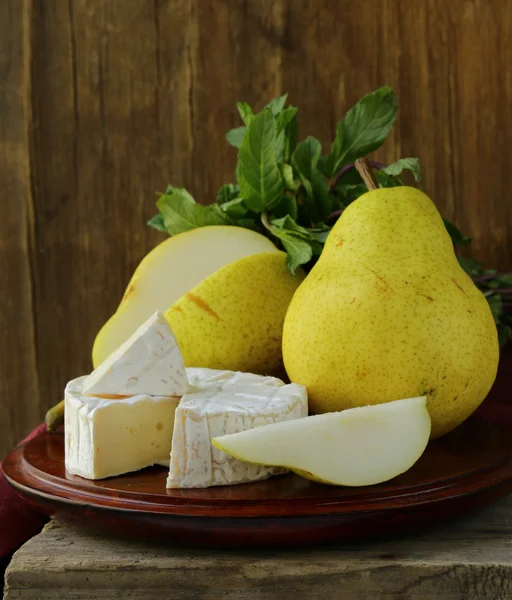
(451, 467)
(475, 457)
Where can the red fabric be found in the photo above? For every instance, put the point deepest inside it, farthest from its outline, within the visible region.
(19, 521)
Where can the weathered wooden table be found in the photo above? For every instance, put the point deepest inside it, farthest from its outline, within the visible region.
(467, 560)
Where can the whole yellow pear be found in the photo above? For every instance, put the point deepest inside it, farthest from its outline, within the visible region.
(234, 318)
(388, 313)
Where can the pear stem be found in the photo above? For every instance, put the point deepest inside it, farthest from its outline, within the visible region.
(364, 169)
(344, 170)
(55, 416)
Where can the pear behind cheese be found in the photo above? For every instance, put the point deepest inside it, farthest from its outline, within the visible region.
(362, 446)
(170, 270)
(387, 312)
(234, 318)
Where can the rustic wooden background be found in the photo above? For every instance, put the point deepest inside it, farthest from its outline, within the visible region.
(104, 102)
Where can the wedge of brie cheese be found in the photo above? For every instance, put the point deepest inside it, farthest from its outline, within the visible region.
(149, 362)
(112, 436)
(237, 406)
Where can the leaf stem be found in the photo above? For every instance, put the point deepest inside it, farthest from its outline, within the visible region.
(502, 291)
(484, 278)
(265, 221)
(335, 213)
(364, 169)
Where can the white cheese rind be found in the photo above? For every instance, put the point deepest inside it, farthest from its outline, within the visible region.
(149, 362)
(104, 438)
(195, 462)
(201, 378)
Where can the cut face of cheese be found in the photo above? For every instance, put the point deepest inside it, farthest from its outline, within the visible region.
(106, 437)
(149, 362)
(195, 462)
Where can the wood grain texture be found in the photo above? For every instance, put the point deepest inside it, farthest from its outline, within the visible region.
(468, 559)
(121, 97)
(19, 389)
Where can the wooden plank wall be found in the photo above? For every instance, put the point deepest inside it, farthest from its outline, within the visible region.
(104, 102)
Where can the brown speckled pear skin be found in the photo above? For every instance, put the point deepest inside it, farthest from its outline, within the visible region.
(234, 318)
(388, 313)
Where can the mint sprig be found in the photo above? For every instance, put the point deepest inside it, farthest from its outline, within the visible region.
(261, 182)
(404, 164)
(363, 129)
(293, 194)
(316, 198)
(180, 212)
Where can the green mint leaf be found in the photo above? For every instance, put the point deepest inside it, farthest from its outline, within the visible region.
(458, 239)
(299, 250)
(290, 206)
(288, 177)
(287, 222)
(300, 244)
(363, 130)
(229, 191)
(286, 206)
(235, 209)
(386, 181)
(320, 235)
(505, 280)
(181, 212)
(261, 183)
(324, 165)
(471, 266)
(305, 160)
(249, 223)
(277, 104)
(180, 194)
(349, 193)
(492, 284)
(284, 118)
(290, 225)
(351, 186)
(282, 121)
(291, 134)
(308, 209)
(245, 111)
(405, 164)
(235, 136)
(157, 222)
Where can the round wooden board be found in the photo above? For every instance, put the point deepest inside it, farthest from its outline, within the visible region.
(458, 473)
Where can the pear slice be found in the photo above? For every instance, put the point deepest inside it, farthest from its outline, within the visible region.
(354, 447)
(170, 270)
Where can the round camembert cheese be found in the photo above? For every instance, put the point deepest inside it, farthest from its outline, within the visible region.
(226, 402)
